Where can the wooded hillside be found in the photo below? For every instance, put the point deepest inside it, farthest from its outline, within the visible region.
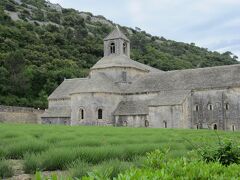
(41, 44)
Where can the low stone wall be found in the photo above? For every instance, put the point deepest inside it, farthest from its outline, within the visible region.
(12, 114)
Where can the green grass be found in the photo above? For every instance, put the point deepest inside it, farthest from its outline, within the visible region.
(5, 169)
(82, 149)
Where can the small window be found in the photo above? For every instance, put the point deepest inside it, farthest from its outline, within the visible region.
(165, 124)
(81, 114)
(112, 48)
(124, 76)
(100, 113)
(146, 123)
(196, 107)
(125, 48)
(226, 106)
(210, 107)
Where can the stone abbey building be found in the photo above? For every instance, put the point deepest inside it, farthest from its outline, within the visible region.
(123, 92)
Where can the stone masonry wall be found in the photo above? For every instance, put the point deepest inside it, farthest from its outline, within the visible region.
(12, 114)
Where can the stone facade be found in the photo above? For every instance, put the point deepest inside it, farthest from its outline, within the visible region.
(123, 92)
(11, 114)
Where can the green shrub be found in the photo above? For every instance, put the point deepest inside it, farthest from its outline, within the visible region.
(31, 163)
(156, 159)
(2, 153)
(18, 149)
(181, 169)
(57, 159)
(40, 176)
(79, 168)
(226, 152)
(5, 169)
(10, 7)
(109, 169)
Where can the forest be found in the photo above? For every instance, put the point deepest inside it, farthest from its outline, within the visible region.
(40, 45)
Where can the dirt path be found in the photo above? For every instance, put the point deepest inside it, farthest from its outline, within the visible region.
(19, 174)
(18, 171)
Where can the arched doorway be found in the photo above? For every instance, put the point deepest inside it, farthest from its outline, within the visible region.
(233, 127)
(146, 123)
(100, 113)
(215, 127)
(165, 124)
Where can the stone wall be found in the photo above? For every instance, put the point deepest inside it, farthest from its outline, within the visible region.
(12, 114)
(90, 103)
(132, 121)
(166, 116)
(220, 115)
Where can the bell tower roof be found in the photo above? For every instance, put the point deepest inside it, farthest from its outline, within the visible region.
(116, 34)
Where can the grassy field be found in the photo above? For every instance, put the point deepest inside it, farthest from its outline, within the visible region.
(78, 150)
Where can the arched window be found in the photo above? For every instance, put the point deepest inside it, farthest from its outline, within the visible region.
(215, 126)
(112, 48)
(125, 48)
(210, 107)
(100, 113)
(165, 124)
(146, 123)
(196, 108)
(227, 106)
(81, 114)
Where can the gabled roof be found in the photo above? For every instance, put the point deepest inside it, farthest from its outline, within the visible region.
(190, 79)
(99, 83)
(122, 61)
(131, 108)
(64, 89)
(168, 98)
(116, 34)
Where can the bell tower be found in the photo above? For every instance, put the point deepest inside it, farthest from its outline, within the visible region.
(116, 43)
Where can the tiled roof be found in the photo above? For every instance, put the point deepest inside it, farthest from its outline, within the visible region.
(132, 108)
(116, 34)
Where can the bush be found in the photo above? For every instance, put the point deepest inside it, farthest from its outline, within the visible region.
(57, 159)
(10, 7)
(31, 163)
(109, 169)
(17, 150)
(2, 153)
(226, 152)
(156, 159)
(183, 169)
(40, 176)
(5, 169)
(79, 168)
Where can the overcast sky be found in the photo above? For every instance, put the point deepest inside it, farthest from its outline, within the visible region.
(214, 24)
